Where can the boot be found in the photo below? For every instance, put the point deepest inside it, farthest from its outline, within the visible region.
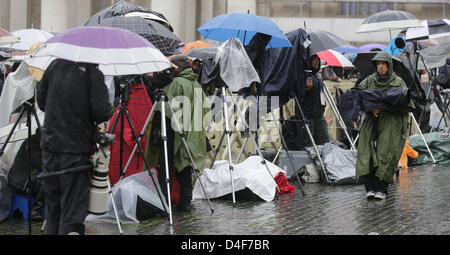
(185, 180)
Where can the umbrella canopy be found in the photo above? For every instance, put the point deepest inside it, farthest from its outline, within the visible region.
(347, 49)
(388, 20)
(122, 8)
(334, 58)
(117, 51)
(243, 26)
(154, 32)
(430, 29)
(151, 16)
(7, 38)
(369, 46)
(201, 53)
(194, 45)
(28, 37)
(322, 40)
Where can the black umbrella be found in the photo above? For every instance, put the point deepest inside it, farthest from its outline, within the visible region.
(201, 53)
(154, 32)
(364, 65)
(121, 8)
(322, 40)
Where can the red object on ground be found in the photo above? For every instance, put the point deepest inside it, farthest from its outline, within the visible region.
(139, 107)
(283, 184)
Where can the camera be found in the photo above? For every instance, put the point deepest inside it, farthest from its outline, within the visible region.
(161, 79)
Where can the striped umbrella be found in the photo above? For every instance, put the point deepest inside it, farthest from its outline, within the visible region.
(154, 32)
(334, 58)
(116, 51)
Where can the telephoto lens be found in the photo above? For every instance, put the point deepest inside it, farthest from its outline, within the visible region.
(99, 191)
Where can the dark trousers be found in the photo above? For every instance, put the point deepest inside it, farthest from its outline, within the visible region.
(67, 195)
(372, 183)
(184, 177)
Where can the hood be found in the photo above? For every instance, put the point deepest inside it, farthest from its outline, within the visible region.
(385, 57)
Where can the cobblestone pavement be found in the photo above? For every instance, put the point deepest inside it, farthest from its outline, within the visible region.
(417, 204)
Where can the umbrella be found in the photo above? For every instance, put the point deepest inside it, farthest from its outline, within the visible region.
(151, 30)
(368, 47)
(117, 51)
(347, 49)
(430, 29)
(7, 38)
(194, 45)
(28, 37)
(334, 58)
(243, 26)
(150, 16)
(388, 20)
(364, 65)
(201, 53)
(322, 40)
(119, 9)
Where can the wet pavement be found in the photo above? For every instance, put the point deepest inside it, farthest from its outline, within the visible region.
(417, 204)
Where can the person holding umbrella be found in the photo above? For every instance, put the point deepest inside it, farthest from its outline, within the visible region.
(75, 99)
(383, 132)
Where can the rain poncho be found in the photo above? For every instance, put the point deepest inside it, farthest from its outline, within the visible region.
(392, 47)
(190, 115)
(382, 138)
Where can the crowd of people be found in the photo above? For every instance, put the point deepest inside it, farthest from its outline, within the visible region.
(75, 101)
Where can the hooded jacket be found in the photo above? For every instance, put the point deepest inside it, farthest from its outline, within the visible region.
(74, 97)
(311, 103)
(380, 154)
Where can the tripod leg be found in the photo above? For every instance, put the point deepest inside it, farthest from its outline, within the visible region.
(227, 131)
(217, 150)
(263, 161)
(242, 150)
(114, 207)
(29, 188)
(337, 114)
(312, 141)
(166, 160)
(2, 150)
(196, 170)
(141, 151)
(138, 140)
(423, 138)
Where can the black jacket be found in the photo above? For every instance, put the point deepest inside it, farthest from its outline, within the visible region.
(74, 97)
(311, 103)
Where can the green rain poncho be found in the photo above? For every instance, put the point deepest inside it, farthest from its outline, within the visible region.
(190, 105)
(382, 157)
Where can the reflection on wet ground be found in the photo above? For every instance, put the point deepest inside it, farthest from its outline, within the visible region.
(417, 203)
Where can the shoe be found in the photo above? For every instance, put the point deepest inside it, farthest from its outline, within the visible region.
(380, 195)
(370, 194)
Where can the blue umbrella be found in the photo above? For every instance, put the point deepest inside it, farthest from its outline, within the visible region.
(347, 49)
(243, 26)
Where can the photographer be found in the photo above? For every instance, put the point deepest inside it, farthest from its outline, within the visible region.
(313, 106)
(74, 98)
(185, 95)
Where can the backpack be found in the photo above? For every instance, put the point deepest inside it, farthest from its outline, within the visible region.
(18, 174)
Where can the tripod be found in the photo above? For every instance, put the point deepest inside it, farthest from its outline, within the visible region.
(121, 114)
(28, 108)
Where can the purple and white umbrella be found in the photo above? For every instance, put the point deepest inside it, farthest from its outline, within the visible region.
(116, 51)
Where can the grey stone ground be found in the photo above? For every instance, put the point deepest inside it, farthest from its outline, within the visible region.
(417, 204)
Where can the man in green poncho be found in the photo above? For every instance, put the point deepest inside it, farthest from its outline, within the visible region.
(382, 133)
(190, 105)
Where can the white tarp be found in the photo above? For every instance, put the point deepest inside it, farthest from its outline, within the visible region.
(249, 174)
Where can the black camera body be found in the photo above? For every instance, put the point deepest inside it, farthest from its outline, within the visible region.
(161, 79)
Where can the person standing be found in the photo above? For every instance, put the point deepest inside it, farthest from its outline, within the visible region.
(313, 105)
(74, 98)
(382, 134)
(187, 99)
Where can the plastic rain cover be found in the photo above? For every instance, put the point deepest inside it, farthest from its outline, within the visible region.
(236, 69)
(125, 194)
(249, 174)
